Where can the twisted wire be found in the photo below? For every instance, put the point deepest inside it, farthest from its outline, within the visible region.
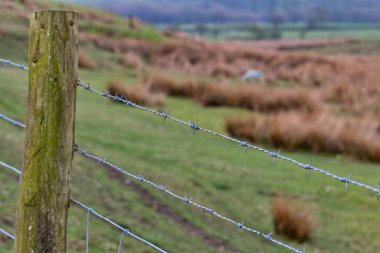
(2, 231)
(11, 63)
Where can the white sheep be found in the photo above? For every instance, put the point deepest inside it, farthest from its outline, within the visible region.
(253, 74)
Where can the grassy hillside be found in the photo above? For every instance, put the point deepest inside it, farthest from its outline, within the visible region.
(212, 171)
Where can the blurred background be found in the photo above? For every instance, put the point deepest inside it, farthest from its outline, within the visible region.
(296, 75)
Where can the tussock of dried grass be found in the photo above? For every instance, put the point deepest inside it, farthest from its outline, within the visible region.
(84, 61)
(258, 98)
(249, 97)
(291, 220)
(131, 60)
(137, 93)
(172, 86)
(323, 132)
(3, 32)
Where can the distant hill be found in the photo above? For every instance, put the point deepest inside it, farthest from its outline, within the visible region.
(198, 11)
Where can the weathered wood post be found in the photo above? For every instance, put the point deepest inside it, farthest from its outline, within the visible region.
(43, 198)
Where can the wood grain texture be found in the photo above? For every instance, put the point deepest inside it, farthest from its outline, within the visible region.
(44, 192)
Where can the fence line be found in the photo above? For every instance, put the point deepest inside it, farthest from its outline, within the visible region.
(192, 127)
(185, 199)
(91, 211)
(2, 231)
(195, 127)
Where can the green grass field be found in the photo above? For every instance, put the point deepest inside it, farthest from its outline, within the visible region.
(211, 170)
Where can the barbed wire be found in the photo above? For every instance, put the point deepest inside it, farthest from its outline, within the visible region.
(11, 63)
(14, 122)
(185, 199)
(2, 231)
(90, 211)
(195, 127)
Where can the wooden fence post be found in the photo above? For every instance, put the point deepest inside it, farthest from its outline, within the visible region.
(44, 192)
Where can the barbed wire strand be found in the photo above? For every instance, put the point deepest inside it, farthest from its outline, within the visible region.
(11, 63)
(14, 122)
(185, 199)
(195, 127)
(96, 214)
(2, 231)
(126, 231)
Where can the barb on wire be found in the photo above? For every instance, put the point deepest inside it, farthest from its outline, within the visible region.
(165, 115)
(196, 127)
(193, 126)
(2, 231)
(91, 211)
(274, 155)
(346, 180)
(185, 199)
(243, 144)
(308, 167)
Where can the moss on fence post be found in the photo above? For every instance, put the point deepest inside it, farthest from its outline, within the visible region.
(44, 192)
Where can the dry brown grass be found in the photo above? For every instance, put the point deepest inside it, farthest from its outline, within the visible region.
(84, 61)
(249, 97)
(3, 32)
(350, 82)
(131, 60)
(258, 98)
(173, 86)
(134, 22)
(136, 93)
(291, 220)
(321, 132)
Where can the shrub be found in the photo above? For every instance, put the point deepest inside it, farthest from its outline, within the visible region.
(320, 132)
(291, 220)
